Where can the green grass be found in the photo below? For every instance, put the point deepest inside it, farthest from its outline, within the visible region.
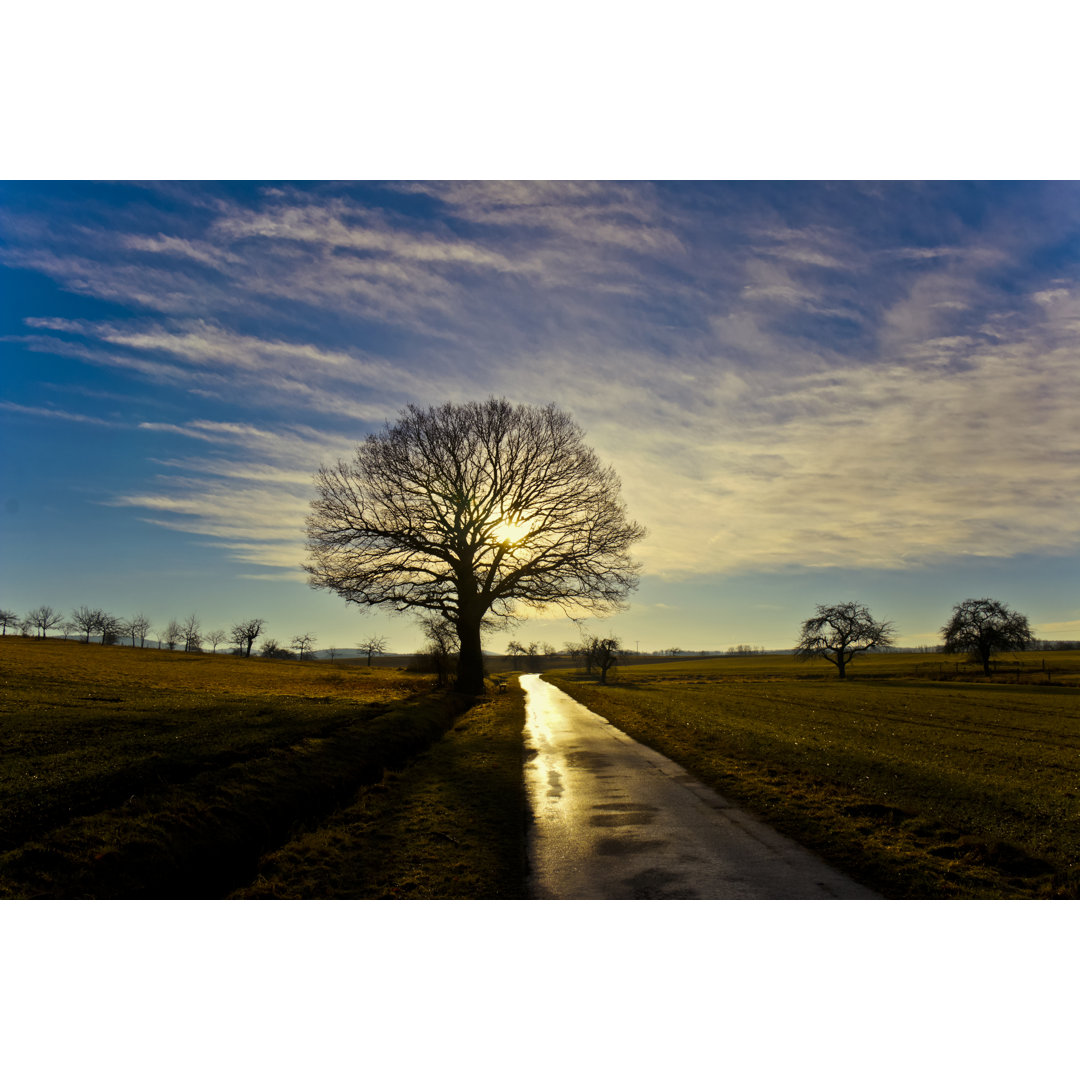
(919, 789)
(449, 827)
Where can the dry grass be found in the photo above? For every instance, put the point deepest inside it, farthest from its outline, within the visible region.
(920, 789)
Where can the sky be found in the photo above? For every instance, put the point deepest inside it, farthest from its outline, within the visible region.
(812, 392)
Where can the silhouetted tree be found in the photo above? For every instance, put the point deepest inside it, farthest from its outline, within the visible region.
(373, 646)
(173, 635)
(44, 619)
(216, 637)
(839, 632)
(469, 512)
(442, 646)
(981, 628)
(603, 654)
(86, 621)
(302, 643)
(191, 632)
(243, 635)
(515, 650)
(8, 618)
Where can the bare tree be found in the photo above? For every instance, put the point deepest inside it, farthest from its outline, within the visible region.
(331, 652)
(603, 654)
(243, 635)
(216, 637)
(516, 650)
(471, 512)
(8, 618)
(110, 627)
(44, 619)
(839, 632)
(981, 628)
(137, 627)
(442, 646)
(191, 634)
(302, 643)
(86, 621)
(374, 646)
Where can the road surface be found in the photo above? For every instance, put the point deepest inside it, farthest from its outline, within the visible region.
(614, 820)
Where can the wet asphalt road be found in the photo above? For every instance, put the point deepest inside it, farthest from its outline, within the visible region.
(614, 820)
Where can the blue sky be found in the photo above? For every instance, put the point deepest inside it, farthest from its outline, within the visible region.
(813, 392)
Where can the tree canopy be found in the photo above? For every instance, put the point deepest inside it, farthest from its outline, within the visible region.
(840, 631)
(983, 627)
(472, 512)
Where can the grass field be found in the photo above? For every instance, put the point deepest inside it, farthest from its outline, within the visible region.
(129, 772)
(918, 784)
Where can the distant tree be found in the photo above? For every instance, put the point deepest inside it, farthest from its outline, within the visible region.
(44, 619)
(243, 635)
(981, 628)
(469, 513)
(8, 618)
(274, 651)
(549, 649)
(373, 646)
(604, 654)
(839, 632)
(575, 650)
(331, 652)
(191, 634)
(86, 621)
(173, 635)
(110, 627)
(217, 637)
(442, 646)
(516, 650)
(137, 627)
(302, 643)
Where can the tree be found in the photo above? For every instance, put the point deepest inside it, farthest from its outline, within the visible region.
(86, 620)
(374, 646)
(839, 632)
(981, 628)
(274, 651)
(516, 650)
(603, 653)
(173, 634)
(110, 627)
(216, 637)
(442, 646)
(191, 633)
(44, 619)
(138, 627)
(471, 512)
(303, 643)
(8, 618)
(243, 635)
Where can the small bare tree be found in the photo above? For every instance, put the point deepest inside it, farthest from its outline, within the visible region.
(216, 638)
(86, 621)
(373, 646)
(44, 619)
(516, 651)
(243, 635)
(603, 654)
(191, 632)
(8, 618)
(442, 646)
(302, 643)
(469, 513)
(173, 635)
(839, 632)
(137, 627)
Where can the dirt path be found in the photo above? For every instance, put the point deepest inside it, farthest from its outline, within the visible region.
(614, 820)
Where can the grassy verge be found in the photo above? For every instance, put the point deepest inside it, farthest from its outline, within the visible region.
(449, 827)
(920, 791)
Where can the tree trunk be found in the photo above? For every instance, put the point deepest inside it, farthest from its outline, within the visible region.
(470, 673)
(840, 665)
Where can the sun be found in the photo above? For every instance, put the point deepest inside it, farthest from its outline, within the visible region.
(511, 531)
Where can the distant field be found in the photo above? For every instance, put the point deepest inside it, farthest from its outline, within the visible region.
(919, 784)
(134, 771)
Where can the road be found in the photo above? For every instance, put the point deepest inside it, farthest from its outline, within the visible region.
(614, 820)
